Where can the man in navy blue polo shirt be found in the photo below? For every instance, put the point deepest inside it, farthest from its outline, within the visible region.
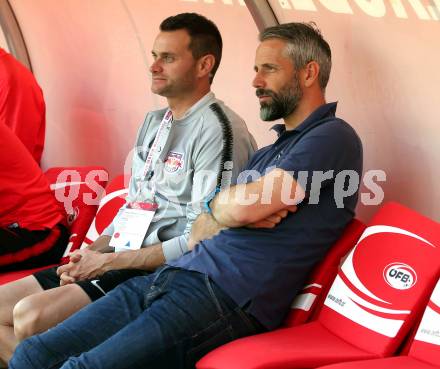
(242, 280)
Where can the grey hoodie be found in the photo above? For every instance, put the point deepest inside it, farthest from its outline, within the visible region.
(199, 147)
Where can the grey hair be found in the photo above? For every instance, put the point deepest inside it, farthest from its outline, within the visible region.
(304, 44)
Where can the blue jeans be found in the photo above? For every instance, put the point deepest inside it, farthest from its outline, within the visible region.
(167, 320)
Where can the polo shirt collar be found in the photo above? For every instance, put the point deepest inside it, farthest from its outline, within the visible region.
(324, 111)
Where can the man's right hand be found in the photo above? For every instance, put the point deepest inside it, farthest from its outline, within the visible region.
(206, 226)
(85, 264)
(101, 244)
(272, 220)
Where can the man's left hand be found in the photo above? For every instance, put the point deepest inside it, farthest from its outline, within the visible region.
(85, 264)
(204, 227)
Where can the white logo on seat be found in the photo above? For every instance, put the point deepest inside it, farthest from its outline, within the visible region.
(400, 276)
(59, 185)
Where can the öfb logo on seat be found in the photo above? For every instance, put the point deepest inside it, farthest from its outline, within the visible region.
(400, 276)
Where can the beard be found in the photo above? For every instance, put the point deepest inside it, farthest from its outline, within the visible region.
(283, 103)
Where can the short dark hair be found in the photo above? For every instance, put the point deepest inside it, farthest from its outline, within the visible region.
(304, 44)
(205, 36)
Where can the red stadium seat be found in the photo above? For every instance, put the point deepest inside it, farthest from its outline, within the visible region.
(375, 298)
(425, 348)
(109, 205)
(79, 189)
(307, 304)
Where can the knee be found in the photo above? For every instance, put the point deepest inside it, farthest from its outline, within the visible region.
(27, 317)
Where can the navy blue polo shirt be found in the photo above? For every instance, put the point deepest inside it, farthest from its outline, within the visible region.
(263, 269)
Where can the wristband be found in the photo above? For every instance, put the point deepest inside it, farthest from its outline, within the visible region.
(210, 198)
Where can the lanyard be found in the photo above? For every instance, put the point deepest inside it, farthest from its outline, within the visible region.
(161, 138)
(164, 127)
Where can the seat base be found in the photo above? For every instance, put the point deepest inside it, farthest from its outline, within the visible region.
(305, 346)
(398, 362)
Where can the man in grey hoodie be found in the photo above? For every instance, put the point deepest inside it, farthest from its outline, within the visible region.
(181, 154)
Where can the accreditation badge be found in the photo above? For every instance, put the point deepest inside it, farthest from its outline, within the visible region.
(132, 225)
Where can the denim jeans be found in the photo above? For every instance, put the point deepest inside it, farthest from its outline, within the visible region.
(167, 320)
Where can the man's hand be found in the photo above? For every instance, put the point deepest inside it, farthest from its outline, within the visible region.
(203, 228)
(249, 203)
(272, 220)
(84, 264)
(101, 244)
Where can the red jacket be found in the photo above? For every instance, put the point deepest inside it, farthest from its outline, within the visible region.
(22, 106)
(25, 196)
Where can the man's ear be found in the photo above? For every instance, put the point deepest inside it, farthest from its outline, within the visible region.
(205, 65)
(310, 73)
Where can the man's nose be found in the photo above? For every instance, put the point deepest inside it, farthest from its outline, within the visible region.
(155, 67)
(258, 81)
